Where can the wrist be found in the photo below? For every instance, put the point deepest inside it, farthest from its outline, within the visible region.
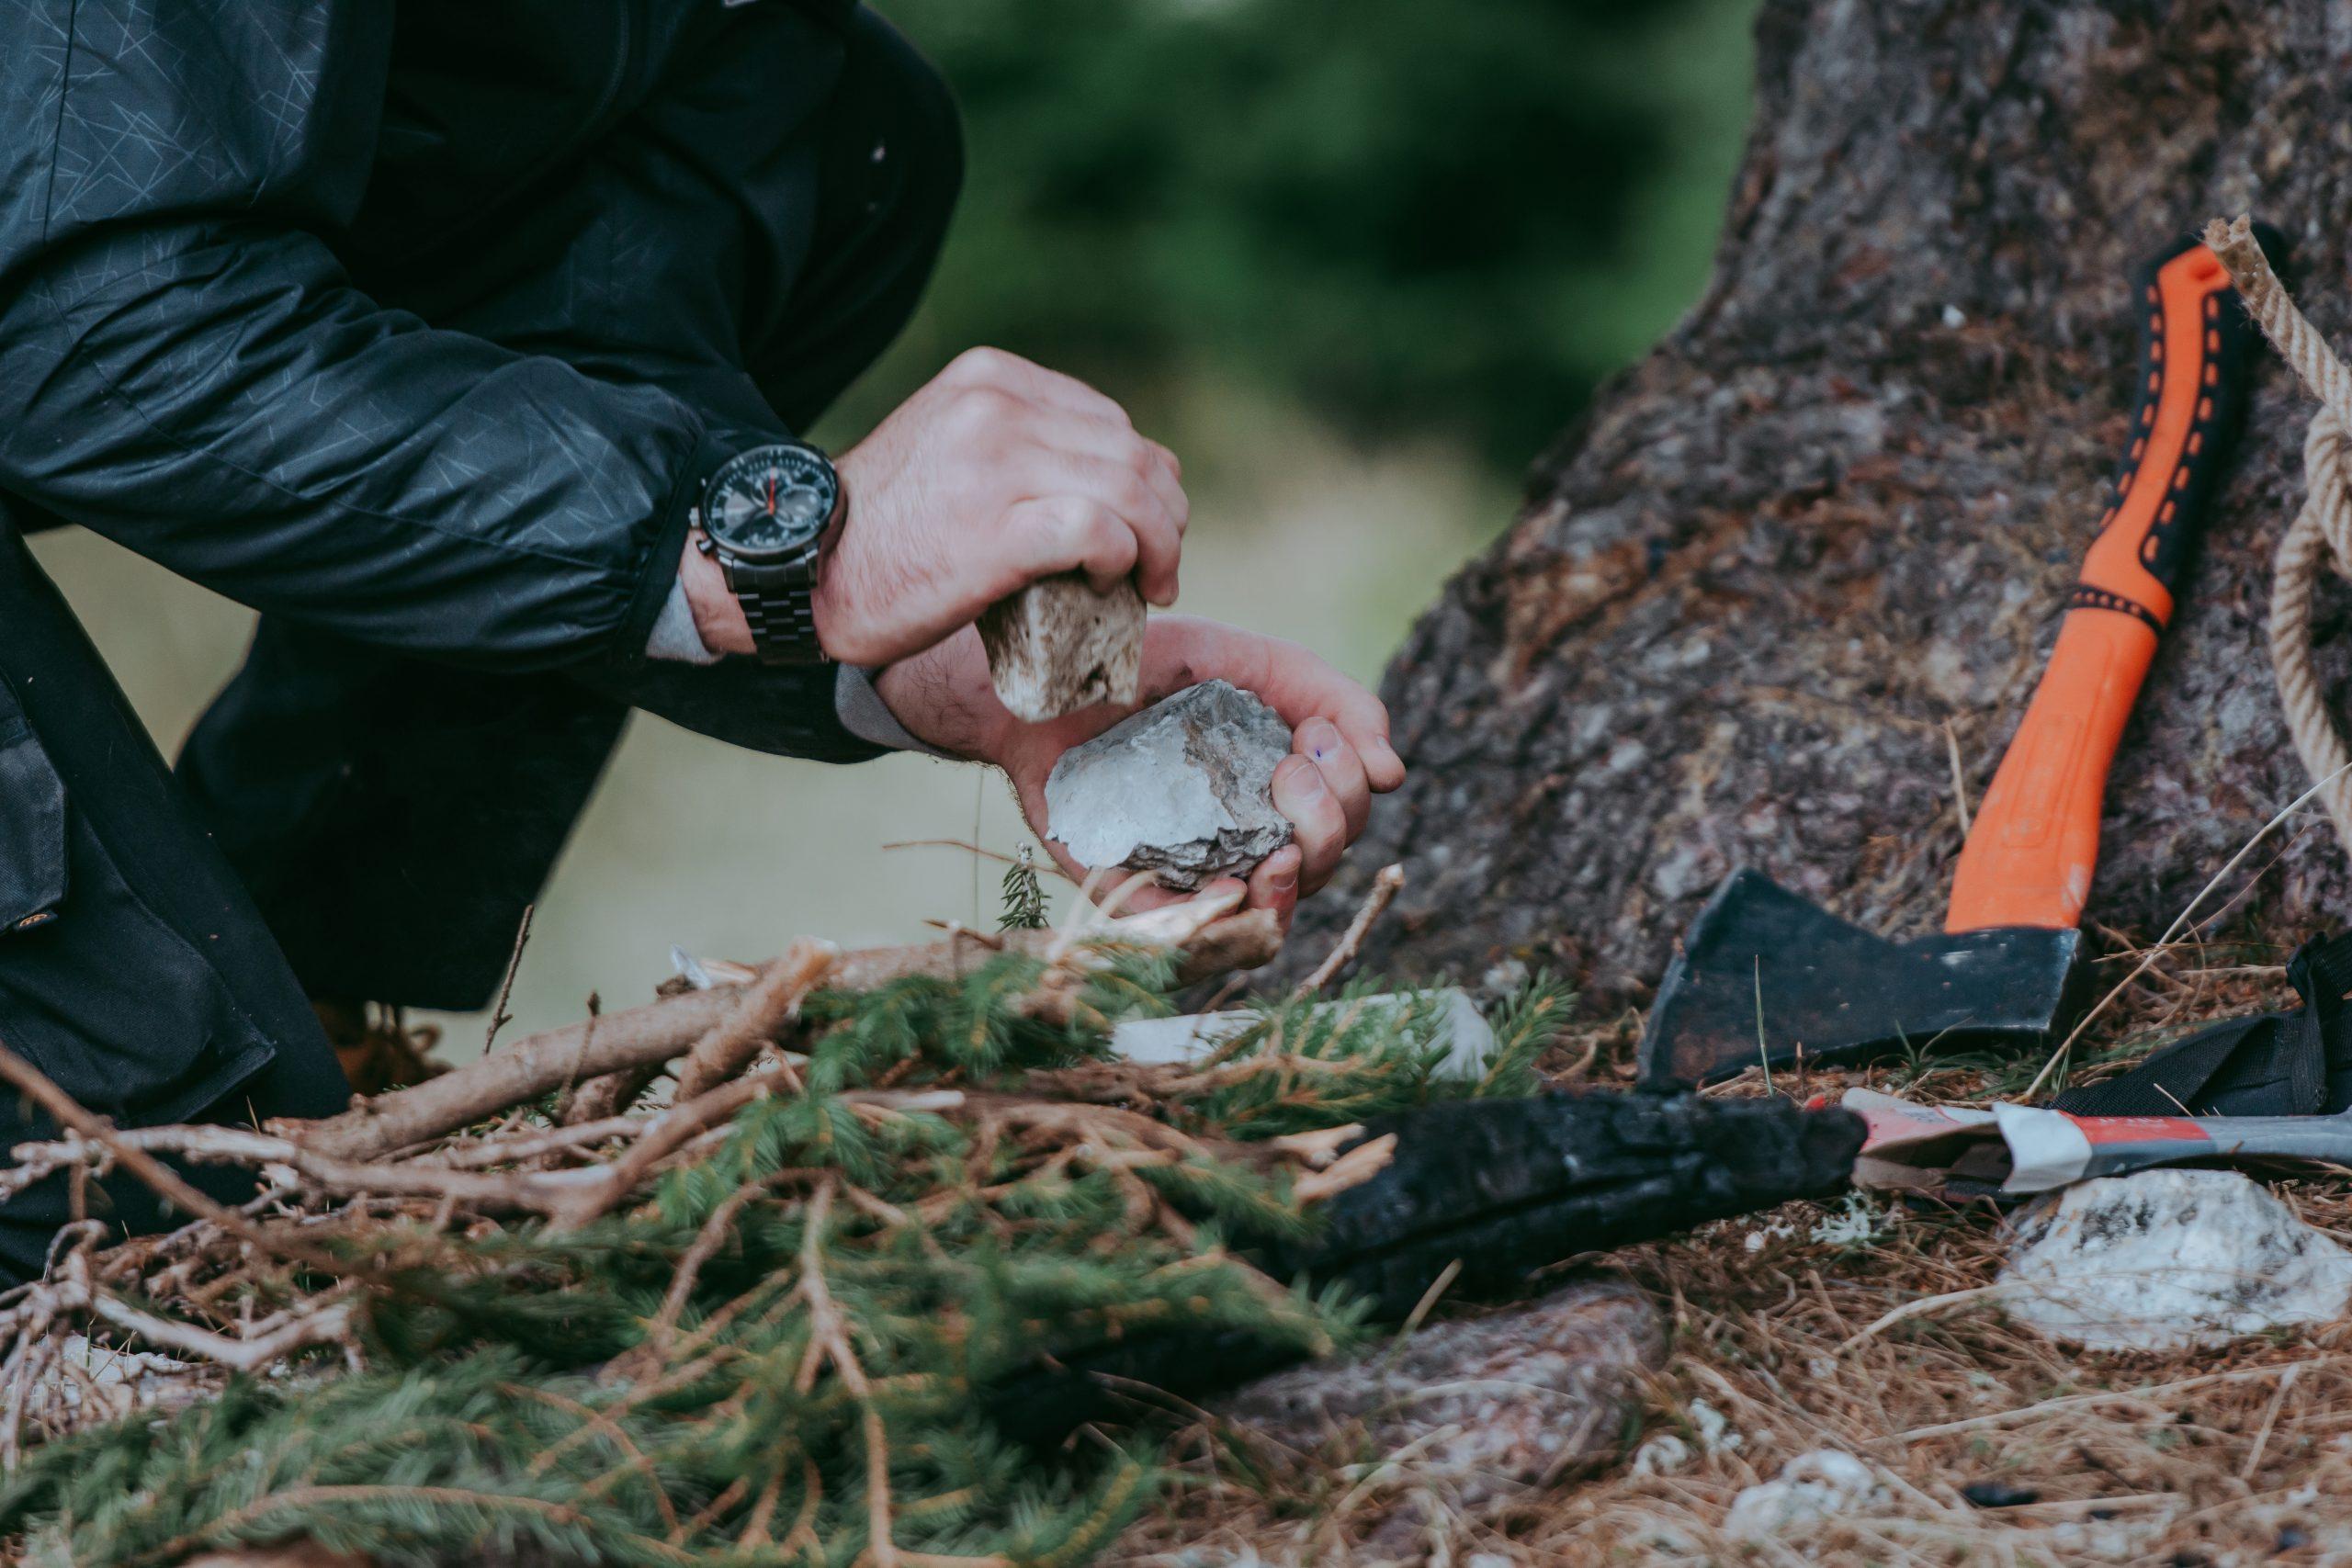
(718, 615)
(944, 699)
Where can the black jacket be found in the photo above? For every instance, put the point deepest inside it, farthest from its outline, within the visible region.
(263, 315)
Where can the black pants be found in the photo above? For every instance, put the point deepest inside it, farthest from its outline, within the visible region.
(348, 823)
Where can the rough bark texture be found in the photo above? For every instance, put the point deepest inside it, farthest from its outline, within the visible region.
(1840, 506)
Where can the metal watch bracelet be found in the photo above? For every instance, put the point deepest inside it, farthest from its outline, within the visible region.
(779, 604)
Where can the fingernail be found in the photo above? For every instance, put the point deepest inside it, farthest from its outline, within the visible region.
(1322, 739)
(1284, 880)
(1309, 783)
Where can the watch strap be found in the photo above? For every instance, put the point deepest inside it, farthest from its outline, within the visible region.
(779, 602)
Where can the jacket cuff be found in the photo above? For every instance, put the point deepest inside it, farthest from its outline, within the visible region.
(658, 573)
(865, 715)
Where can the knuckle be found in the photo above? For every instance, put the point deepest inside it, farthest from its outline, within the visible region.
(1107, 532)
(980, 410)
(981, 365)
(1136, 498)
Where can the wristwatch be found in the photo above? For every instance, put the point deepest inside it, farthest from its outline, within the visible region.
(764, 516)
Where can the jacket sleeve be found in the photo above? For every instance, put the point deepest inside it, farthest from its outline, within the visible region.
(185, 367)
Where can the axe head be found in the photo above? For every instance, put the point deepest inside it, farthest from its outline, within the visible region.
(1764, 975)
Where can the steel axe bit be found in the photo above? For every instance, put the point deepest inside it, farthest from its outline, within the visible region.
(1765, 975)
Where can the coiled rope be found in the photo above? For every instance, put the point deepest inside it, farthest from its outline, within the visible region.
(2323, 527)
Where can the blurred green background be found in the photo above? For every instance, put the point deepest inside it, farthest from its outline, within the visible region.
(1357, 261)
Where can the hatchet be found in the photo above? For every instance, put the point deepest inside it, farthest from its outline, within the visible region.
(1765, 975)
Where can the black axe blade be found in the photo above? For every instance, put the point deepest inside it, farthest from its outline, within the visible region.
(1764, 975)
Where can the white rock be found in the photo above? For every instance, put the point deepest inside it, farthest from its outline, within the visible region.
(1662, 1455)
(1860, 1224)
(1824, 1485)
(1184, 788)
(1714, 1428)
(1459, 1028)
(2164, 1260)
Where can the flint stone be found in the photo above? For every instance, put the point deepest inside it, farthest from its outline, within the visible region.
(1184, 788)
(1487, 1407)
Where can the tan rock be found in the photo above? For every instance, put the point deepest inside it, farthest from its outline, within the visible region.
(1057, 646)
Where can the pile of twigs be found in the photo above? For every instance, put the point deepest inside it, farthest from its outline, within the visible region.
(750, 1319)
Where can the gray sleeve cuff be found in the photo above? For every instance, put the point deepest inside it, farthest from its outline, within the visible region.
(855, 701)
(675, 637)
(864, 714)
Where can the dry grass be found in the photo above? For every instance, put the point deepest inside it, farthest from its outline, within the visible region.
(2237, 1456)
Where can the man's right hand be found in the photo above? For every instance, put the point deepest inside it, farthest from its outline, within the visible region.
(997, 473)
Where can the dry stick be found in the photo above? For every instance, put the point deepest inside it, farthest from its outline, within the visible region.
(499, 1017)
(476, 1153)
(25, 1358)
(166, 1182)
(769, 1003)
(828, 1329)
(538, 1192)
(2050, 1407)
(1959, 778)
(1384, 889)
(660, 1031)
(1925, 1305)
(2165, 942)
(606, 1097)
(525, 1070)
(1048, 865)
(2262, 1439)
(707, 1243)
(663, 1136)
(330, 1325)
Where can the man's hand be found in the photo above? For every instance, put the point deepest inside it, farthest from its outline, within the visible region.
(997, 473)
(1339, 736)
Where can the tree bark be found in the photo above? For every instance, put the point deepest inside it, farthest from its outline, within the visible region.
(1841, 506)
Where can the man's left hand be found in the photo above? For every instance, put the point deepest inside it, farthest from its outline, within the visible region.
(1341, 753)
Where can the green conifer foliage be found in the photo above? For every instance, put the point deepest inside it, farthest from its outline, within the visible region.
(772, 1354)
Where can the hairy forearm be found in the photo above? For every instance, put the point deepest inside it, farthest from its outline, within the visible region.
(944, 698)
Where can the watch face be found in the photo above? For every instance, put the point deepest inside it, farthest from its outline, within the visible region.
(770, 502)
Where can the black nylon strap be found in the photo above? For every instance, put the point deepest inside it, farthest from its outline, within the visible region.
(2272, 1064)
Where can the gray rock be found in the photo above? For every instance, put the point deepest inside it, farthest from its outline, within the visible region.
(1184, 788)
(2164, 1260)
(1486, 1407)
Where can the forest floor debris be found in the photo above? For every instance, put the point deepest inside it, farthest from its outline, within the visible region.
(2234, 1455)
(1853, 1327)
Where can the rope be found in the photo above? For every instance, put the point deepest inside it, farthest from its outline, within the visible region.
(2323, 527)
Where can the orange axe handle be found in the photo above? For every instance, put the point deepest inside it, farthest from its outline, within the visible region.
(2029, 855)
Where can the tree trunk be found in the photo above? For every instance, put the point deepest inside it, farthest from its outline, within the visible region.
(1841, 507)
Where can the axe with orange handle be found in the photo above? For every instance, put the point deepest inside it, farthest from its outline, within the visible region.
(1766, 976)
